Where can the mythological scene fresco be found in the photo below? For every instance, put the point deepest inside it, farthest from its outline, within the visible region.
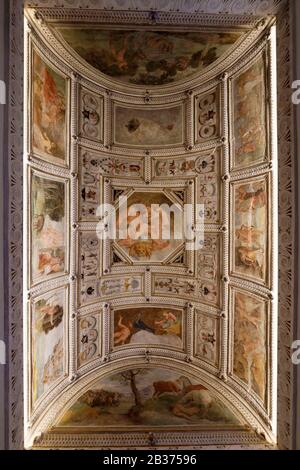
(251, 229)
(148, 325)
(249, 95)
(47, 341)
(148, 397)
(148, 57)
(250, 337)
(48, 230)
(142, 246)
(49, 102)
(150, 127)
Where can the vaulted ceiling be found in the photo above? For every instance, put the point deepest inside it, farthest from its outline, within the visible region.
(163, 342)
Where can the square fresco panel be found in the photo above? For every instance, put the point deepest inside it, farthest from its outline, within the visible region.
(249, 109)
(250, 236)
(149, 127)
(49, 104)
(139, 244)
(48, 228)
(151, 398)
(148, 325)
(47, 348)
(148, 57)
(250, 337)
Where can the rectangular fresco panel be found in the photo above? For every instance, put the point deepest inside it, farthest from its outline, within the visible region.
(206, 337)
(149, 127)
(152, 398)
(47, 349)
(88, 338)
(250, 336)
(48, 227)
(250, 235)
(148, 325)
(249, 109)
(49, 116)
(148, 57)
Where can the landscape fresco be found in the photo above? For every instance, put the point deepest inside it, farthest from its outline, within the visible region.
(148, 57)
(145, 247)
(251, 229)
(249, 96)
(148, 325)
(48, 227)
(148, 397)
(49, 102)
(47, 341)
(150, 127)
(250, 350)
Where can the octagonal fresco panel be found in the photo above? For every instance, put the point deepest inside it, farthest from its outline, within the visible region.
(143, 246)
(148, 57)
(152, 398)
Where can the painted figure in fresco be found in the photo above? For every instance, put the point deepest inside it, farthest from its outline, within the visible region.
(53, 367)
(48, 227)
(47, 341)
(49, 314)
(249, 342)
(50, 262)
(169, 324)
(250, 125)
(123, 334)
(248, 235)
(251, 200)
(251, 228)
(49, 110)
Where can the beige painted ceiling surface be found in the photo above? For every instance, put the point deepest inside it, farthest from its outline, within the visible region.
(166, 344)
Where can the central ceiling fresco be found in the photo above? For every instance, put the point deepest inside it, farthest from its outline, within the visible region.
(148, 333)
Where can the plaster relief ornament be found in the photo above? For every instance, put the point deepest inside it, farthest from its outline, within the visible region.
(91, 116)
(207, 118)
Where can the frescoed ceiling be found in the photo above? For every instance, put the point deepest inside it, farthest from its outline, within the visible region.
(154, 333)
(148, 57)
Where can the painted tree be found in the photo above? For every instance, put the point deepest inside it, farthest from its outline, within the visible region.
(129, 377)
